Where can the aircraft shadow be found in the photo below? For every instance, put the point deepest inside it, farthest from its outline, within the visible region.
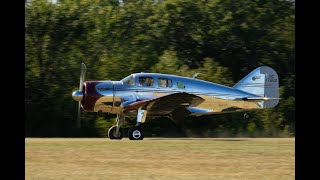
(198, 139)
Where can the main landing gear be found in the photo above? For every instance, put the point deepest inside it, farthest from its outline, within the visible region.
(135, 133)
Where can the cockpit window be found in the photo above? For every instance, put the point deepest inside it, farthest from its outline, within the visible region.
(146, 81)
(163, 82)
(128, 80)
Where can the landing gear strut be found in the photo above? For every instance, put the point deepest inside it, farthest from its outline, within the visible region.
(116, 132)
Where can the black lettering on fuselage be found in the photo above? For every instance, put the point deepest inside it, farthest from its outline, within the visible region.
(271, 78)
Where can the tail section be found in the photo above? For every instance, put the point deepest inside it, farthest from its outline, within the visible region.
(263, 82)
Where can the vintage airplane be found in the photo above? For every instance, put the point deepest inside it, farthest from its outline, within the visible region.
(153, 94)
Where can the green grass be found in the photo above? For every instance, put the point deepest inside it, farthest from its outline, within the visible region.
(101, 158)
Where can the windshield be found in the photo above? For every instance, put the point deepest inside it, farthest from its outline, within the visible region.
(128, 80)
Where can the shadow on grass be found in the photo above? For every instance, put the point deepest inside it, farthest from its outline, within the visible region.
(198, 139)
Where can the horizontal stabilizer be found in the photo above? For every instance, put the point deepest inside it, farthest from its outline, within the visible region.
(257, 99)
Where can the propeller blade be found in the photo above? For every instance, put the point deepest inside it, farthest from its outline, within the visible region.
(79, 115)
(82, 78)
(82, 75)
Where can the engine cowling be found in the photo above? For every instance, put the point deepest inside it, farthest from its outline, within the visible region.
(90, 95)
(98, 96)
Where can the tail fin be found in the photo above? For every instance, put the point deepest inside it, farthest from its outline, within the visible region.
(264, 82)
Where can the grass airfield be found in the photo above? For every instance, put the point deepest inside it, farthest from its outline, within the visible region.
(159, 158)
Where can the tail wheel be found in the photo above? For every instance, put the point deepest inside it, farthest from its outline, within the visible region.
(246, 116)
(112, 133)
(135, 133)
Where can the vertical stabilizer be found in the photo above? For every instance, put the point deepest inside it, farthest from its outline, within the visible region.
(264, 82)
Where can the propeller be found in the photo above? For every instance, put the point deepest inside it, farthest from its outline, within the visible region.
(82, 75)
(78, 95)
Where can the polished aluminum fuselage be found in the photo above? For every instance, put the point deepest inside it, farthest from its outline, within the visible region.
(217, 98)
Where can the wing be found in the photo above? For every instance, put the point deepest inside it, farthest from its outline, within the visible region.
(166, 104)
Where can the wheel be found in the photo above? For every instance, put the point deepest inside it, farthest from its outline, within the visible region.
(112, 133)
(135, 133)
(246, 116)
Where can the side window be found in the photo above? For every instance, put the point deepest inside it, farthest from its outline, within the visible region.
(128, 81)
(180, 85)
(163, 82)
(146, 81)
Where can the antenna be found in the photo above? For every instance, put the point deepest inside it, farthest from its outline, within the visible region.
(195, 76)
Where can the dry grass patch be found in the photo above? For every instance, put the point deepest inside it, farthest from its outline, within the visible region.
(101, 158)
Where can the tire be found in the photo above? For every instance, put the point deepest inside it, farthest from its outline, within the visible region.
(246, 116)
(112, 133)
(135, 133)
